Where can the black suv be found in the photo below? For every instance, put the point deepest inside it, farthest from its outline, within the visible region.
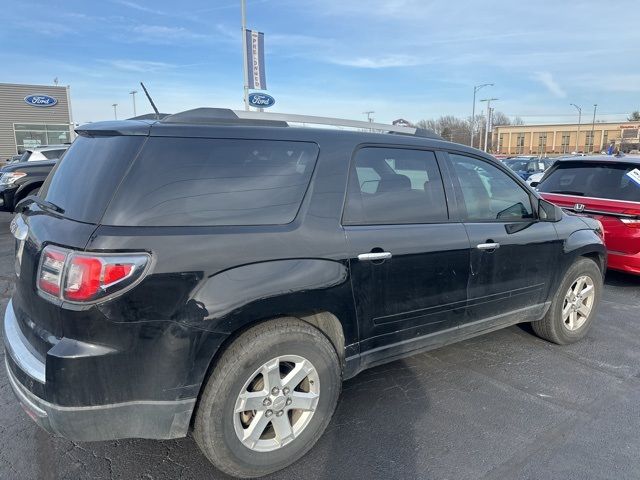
(225, 275)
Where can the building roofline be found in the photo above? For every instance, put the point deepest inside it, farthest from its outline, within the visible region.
(588, 124)
(32, 85)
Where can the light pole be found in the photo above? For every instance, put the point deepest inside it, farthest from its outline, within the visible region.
(369, 117)
(473, 111)
(593, 127)
(486, 130)
(243, 7)
(115, 110)
(579, 121)
(133, 97)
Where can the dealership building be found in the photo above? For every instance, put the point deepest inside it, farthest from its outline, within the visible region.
(33, 115)
(565, 138)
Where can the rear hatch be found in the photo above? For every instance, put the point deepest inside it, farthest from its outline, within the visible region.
(70, 205)
(607, 190)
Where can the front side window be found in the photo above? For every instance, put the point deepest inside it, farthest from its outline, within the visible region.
(395, 186)
(490, 194)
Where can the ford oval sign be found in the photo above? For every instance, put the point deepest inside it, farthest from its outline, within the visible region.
(40, 100)
(261, 100)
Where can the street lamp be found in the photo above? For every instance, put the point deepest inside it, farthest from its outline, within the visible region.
(579, 121)
(473, 111)
(133, 97)
(115, 110)
(486, 129)
(593, 126)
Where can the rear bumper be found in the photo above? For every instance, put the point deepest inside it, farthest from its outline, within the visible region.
(623, 262)
(135, 419)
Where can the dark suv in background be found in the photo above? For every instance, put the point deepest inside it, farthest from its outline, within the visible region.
(24, 176)
(225, 274)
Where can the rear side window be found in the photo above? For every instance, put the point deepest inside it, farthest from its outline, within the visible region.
(210, 182)
(590, 179)
(394, 186)
(84, 180)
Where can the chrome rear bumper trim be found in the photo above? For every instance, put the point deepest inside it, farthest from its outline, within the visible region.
(15, 343)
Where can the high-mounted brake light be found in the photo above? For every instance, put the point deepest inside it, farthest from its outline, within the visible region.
(83, 277)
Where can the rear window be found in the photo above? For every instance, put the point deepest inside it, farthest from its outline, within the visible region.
(599, 180)
(210, 182)
(51, 154)
(83, 181)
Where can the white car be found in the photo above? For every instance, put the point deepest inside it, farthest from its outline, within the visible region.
(534, 179)
(50, 152)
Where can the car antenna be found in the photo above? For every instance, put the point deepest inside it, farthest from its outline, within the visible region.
(155, 109)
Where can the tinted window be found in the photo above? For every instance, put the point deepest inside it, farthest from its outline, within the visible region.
(591, 179)
(205, 182)
(395, 186)
(51, 154)
(489, 193)
(84, 180)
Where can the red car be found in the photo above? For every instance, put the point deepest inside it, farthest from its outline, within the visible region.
(605, 188)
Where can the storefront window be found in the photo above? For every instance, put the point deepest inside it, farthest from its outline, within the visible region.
(36, 135)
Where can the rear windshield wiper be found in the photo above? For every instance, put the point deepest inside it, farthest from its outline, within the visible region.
(48, 205)
(567, 192)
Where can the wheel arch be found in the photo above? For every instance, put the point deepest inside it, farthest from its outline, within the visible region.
(586, 243)
(324, 321)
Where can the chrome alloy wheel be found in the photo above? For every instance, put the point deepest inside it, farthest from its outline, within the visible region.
(276, 403)
(578, 303)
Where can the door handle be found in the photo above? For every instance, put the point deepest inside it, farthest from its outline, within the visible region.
(488, 246)
(363, 257)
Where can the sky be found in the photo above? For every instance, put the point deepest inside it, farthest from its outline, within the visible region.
(412, 59)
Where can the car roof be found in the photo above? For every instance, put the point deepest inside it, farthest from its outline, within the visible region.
(48, 147)
(196, 124)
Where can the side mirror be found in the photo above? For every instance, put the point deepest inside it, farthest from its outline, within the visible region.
(534, 184)
(548, 212)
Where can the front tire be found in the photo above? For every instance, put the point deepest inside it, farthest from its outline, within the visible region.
(574, 305)
(269, 398)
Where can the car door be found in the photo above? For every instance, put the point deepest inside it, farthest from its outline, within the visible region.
(512, 254)
(409, 262)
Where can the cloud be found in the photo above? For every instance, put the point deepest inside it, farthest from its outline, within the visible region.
(385, 61)
(546, 79)
(139, 65)
(162, 34)
(140, 8)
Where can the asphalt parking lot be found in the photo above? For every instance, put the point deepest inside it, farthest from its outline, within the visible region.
(502, 406)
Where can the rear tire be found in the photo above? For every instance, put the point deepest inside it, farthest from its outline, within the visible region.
(238, 400)
(574, 305)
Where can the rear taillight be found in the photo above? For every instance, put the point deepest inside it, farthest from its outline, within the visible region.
(84, 277)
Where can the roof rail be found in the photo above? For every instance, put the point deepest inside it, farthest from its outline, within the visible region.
(228, 116)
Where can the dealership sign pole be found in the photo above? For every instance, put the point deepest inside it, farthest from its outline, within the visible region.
(244, 54)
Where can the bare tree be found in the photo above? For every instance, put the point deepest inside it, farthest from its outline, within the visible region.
(634, 117)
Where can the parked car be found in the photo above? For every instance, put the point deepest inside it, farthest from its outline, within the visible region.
(605, 188)
(36, 154)
(222, 272)
(527, 166)
(18, 180)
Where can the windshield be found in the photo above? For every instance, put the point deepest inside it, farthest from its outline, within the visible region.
(600, 180)
(517, 164)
